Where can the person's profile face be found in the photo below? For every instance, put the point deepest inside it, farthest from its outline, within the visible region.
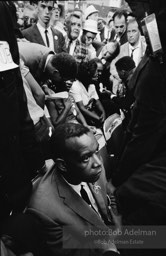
(109, 16)
(56, 12)
(88, 38)
(108, 51)
(44, 11)
(120, 25)
(100, 25)
(83, 158)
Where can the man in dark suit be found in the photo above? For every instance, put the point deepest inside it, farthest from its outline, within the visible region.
(46, 67)
(71, 199)
(140, 176)
(42, 33)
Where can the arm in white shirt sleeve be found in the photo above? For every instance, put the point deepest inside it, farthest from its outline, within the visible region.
(75, 91)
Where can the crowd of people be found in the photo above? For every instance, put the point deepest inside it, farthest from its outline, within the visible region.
(83, 104)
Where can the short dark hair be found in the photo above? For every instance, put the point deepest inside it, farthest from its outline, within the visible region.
(61, 134)
(125, 63)
(86, 71)
(119, 14)
(66, 65)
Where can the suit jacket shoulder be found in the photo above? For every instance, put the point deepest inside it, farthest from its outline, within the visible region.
(59, 41)
(32, 34)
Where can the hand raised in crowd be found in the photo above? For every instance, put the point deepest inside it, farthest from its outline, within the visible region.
(68, 103)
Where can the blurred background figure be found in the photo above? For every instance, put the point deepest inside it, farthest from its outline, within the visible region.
(134, 47)
(88, 36)
(42, 32)
(57, 21)
(120, 24)
(29, 16)
(110, 25)
(91, 13)
(103, 31)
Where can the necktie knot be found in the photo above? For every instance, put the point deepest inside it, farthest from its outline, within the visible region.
(132, 51)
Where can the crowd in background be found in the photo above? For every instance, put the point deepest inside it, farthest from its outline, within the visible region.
(78, 84)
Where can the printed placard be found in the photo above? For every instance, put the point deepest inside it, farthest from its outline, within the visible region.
(152, 29)
(6, 61)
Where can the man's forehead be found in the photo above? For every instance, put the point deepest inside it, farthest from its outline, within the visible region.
(84, 140)
(75, 19)
(119, 19)
(133, 25)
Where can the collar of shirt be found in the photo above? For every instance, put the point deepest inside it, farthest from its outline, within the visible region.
(137, 53)
(49, 33)
(48, 58)
(77, 189)
(72, 46)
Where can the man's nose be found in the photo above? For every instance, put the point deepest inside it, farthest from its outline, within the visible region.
(97, 160)
(46, 10)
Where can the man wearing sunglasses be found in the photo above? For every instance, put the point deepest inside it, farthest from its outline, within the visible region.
(42, 32)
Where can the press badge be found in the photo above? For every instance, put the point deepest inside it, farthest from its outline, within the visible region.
(6, 61)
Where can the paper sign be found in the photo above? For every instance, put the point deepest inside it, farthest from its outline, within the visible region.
(115, 3)
(6, 61)
(153, 32)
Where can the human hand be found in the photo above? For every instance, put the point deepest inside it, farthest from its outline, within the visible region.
(47, 90)
(68, 103)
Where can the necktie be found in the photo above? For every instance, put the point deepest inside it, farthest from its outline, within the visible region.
(132, 53)
(85, 195)
(47, 40)
(68, 48)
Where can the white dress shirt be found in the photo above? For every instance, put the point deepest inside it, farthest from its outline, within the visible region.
(137, 52)
(72, 47)
(49, 34)
(77, 189)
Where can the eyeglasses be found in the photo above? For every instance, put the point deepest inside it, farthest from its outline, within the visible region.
(56, 9)
(50, 8)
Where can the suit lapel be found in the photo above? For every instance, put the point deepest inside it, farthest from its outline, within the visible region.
(76, 203)
(99, 198)
(55, 40)
(38, 36)
(99, 193)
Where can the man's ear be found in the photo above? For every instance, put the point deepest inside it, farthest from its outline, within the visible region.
(60, 163)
